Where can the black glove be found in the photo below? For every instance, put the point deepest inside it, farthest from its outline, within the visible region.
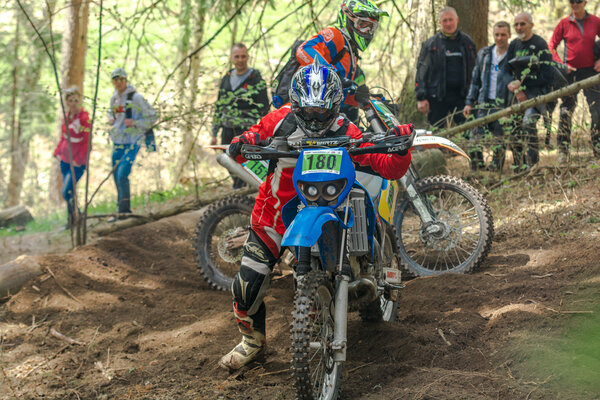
(362, 95)
(235, 148)
(402, 130)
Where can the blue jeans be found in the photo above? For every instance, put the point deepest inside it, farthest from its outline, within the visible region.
(123, 157)
(67, 186)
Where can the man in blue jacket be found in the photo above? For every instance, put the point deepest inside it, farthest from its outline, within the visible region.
(487, 94)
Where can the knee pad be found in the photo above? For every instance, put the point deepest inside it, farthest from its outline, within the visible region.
(249, 288)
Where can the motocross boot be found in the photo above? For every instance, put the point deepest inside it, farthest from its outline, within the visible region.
(250, 348)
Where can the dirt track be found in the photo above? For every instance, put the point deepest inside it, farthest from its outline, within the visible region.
(150, 328)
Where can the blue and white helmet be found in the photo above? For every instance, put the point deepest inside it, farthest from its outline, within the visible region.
(315, 96)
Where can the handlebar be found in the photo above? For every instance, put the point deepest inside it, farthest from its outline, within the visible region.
(278, 147)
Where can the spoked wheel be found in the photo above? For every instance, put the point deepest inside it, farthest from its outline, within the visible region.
(385, 308)
(219, 239)
(316, 375)
(457, 240)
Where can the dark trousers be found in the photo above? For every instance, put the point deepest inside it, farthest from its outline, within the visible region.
(491, 133)
(67, 185)
(227, 135)
(122, 161)
(440, 110)
(592, 95)
(524, 139)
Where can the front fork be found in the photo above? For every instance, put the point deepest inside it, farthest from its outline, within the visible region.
(421, 206)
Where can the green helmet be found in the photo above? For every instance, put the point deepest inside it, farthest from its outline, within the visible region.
(359, 19)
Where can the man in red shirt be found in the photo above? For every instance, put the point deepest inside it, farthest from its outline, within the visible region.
(579, 31)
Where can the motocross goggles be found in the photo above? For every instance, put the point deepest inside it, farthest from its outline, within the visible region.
(363, 24)
(316, 114)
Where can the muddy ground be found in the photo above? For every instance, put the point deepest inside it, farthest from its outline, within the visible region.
(147, 327)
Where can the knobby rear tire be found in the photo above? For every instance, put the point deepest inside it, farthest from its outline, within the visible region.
(222, 220)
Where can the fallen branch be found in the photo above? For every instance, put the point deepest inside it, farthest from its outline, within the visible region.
(47, 360)
(168, 212)
(444, 337)
(495, 275)
(360, 366)
(276, 372)
(61, 286)
(67, 339)
(521, 107)
(541, 276)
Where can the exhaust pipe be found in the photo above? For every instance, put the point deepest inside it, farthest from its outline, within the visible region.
(236, 170)
(362, 290)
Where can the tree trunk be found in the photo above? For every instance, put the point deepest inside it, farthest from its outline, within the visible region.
(423, 26)
(14, 274)
(473, 19)
(189, 92)
(72, 71)
(74, 44)
(13, 195)
(16, 215)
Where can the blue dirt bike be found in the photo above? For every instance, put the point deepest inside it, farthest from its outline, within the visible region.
(345, 246)
(442, 223)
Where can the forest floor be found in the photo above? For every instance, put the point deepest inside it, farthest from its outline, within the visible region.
(146, 326)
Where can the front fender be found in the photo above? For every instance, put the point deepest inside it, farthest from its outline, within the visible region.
(306, 228)
(436, 142)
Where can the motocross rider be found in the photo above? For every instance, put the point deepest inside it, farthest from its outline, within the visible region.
(356, 24)
(316, 96)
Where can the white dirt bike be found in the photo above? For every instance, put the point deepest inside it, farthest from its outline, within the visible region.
(442, 223)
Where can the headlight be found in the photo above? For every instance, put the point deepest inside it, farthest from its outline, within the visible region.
(322, 193)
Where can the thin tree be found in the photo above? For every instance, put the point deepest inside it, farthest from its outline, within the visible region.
(473, 19)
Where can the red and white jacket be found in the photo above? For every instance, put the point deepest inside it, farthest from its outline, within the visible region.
(278, 188)
(579, 46)
(79, 128)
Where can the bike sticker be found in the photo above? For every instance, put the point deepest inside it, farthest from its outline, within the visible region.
(258, 169)
(386, 116)
(392, 275)
(321, 161)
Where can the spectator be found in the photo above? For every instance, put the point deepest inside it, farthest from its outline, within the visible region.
(78, 122)
(444, 71)
(579, 31)
(338, 47)
(487, 92)
(241, 102)
(529, 63)
(131, 117)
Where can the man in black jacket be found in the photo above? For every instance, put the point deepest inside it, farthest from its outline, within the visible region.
(529, 63)
(242, 100)
(444, 71)
(487, 94)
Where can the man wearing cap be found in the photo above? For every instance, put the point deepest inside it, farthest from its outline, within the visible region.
(579, 31)
(131, 117)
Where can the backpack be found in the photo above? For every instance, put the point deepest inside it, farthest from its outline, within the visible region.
(149, 140)
(281, 94)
